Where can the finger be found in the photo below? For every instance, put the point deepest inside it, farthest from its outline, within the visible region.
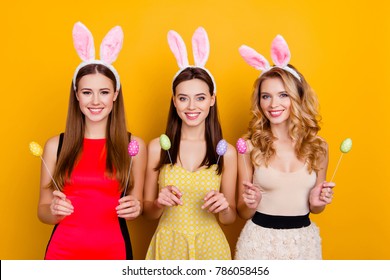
(209, 201)
(175, 191)
(59, 194)
(209, 195)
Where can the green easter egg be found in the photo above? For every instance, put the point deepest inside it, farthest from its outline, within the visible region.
(346, 145)
(165, 143)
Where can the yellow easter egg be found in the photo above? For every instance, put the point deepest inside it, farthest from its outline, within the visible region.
(36, 149)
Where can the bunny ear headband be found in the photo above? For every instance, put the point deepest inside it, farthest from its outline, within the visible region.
(200, 48)
(280, 55)
(109, 49)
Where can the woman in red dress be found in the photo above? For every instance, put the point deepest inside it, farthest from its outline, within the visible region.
(93, 195)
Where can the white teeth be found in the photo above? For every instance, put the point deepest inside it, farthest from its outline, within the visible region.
(192, 115)
(95, 110)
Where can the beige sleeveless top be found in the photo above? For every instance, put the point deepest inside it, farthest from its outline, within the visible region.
(284, 193)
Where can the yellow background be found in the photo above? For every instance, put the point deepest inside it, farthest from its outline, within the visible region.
(342, 48)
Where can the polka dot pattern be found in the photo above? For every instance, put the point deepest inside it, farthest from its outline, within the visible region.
(133, 148)
(187, 231)
(35, 149)
(241, 146)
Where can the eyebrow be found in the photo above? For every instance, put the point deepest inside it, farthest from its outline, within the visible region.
(198, 94)
(92, 90)
(265, 92)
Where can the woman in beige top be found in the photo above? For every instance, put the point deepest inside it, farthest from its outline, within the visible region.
(286, 161)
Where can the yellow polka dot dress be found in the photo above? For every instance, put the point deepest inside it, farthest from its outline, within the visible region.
(188, 232)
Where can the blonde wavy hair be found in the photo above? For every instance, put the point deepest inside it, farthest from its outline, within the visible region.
(303, 125)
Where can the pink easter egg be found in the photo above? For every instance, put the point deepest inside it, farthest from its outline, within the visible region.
(133, 148)
(241, 146)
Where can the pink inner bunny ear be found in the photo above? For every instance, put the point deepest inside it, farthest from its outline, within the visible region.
(111, 45)
(280, 52)
(178, 48)
(200, 47)
(253, 58)
(83, 42)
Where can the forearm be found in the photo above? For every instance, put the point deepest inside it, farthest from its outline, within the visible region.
(152, 210)
(45, 215)
(227, 216)
(244, 212)
(316, 209)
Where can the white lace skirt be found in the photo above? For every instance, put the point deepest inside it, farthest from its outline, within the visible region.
(259, 243)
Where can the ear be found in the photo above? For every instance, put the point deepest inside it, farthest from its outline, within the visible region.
(280, 52)
(178, 48)
(111, 45)
(253, 58)
(200, 47)
(116, 93)
(83, 42)
(212, 100)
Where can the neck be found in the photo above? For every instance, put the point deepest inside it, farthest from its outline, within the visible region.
(280, 131)
(95, 130)
(193, 132)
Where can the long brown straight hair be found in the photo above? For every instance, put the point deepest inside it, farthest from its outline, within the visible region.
(213, 131)
(117, 139)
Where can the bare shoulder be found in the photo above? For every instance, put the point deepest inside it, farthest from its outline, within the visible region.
(324, 144)
(52, 144)
(154, 145)
(230, 152)
(139, 140)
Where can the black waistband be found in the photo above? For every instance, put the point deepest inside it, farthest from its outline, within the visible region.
(281, 222)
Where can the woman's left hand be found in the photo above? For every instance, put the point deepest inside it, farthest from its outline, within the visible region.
(322, 194)
(215, 201)
(129, 207)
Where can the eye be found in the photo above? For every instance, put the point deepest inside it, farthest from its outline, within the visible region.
(283, 95)
(182, 98)
(105, 92)
(264, 96)
(201, 98)
(86, 92)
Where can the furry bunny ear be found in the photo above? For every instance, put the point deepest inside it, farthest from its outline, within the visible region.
(111, 45)
(280, 52)
(178, 48)
(253, 58)
(200, 47)
(83, 42)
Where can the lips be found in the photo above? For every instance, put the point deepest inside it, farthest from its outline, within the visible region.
(192, 116)
(95, 111)
(276, 113)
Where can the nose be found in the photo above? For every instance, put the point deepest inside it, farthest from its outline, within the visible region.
(191, 104)
(95, 98)
(274, 102)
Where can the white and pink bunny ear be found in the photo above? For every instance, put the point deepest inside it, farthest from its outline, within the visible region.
(83, 42)
(178, 48)
(280, 52)
(111, 45)
(200, 47)
(253, 58)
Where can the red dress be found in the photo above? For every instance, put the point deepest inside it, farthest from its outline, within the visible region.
(93, 231)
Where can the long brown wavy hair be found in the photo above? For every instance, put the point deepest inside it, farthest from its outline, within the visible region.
(117, 139)
(303, 124)
(213, 131)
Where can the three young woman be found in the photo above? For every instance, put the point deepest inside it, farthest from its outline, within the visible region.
(190, 187)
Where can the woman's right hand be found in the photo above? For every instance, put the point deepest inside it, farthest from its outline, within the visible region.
(252, 195)
(60, 206)
(169, 196)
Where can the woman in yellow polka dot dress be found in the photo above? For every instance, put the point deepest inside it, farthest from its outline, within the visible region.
(191, 189)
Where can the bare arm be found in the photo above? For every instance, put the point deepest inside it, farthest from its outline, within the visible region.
(151, 209)
(228, 186)
(52, 206)
(249, 196)
(131, 205)
(322, 192)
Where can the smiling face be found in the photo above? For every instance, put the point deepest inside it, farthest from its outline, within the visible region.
(96, 95)
(275, 102)
(193, 100)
